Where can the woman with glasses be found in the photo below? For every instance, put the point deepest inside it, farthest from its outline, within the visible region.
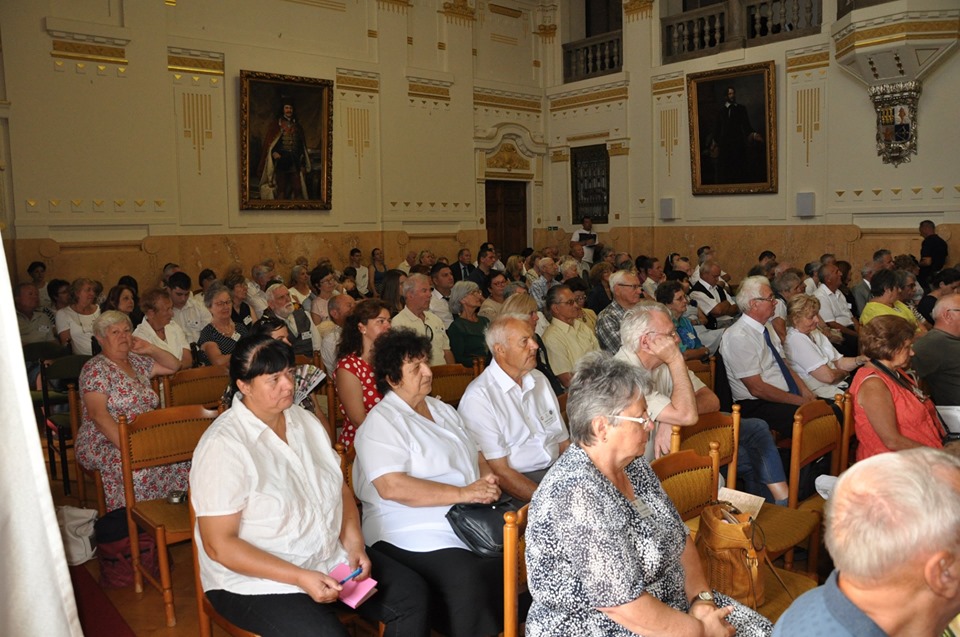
(493, 304)
(607, 552)
(324, 284)
(220, 336)
(241, 312)
(467, 331)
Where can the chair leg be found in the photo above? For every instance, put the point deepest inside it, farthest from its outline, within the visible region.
(81, 482)
(135, 556)
(813, 554)
(206, 625)
(63, 461)
(166, 585)
(50, 453)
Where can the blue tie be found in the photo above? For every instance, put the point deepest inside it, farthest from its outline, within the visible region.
(787, 376)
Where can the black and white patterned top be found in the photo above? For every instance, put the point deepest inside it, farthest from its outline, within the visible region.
(589, 547)
(224, 343)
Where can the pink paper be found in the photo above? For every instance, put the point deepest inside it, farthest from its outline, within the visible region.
(354, 593)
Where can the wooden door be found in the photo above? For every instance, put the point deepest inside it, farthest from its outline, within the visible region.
(507, 216)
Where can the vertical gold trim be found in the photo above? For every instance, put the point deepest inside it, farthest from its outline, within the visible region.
(358, 134)
(669, 135)
(808, 117)
(197, 123)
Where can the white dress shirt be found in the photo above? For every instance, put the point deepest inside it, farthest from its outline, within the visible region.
(745, 353)
(441, 307)
(834, 306)
(192, 317)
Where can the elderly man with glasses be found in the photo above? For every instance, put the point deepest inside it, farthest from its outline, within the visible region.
(760, 380)
(568, 339)
(416, 315)
(625, 286)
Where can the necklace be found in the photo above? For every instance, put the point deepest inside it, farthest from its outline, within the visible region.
(900, 380)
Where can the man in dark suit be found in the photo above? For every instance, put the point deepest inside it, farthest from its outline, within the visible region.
(733, 135)
(463, 267)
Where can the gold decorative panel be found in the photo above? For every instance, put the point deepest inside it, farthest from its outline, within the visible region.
(560, 156)
(547, 32)
(807, 62)
(335, 5)
(459, 12)
(197, 123)
(507, 102)
(508, 158)
(502, 10)
(428, 91)
(395, 6)
(358, 83)
(636, 9)
(89, 52)
(358, 133)
(669, 135)
(586, 99)
(618, 149)
(808, 117)
(186, 64)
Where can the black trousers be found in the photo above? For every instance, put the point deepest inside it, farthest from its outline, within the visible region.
(466, 590)
(401, 603)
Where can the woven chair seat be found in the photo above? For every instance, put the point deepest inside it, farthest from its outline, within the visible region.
(175, 518)
(776, 599)
(785, 528)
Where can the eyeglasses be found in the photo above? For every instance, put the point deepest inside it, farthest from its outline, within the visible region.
(768, 299)
(632, 286)
(646, 422)
(569, 302)
(672, 334)
(429, 332)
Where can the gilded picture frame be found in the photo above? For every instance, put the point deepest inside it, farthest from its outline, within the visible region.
(286, 142)
(733, 130)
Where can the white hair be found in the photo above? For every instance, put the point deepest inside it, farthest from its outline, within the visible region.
(892, 507)
(411, 282)
(636, 323)
(749, 290)
(617, 277)
(499, 331)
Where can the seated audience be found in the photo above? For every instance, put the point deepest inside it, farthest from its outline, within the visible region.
(59, 292)
(835, 310)
(652, 271)
(221, 334)
(75, 322)
(299, 284)
(886, 287)
(942, 283)
(548, 278)
(811, 270)
(937, 355)
(711, 297)
(493, 304)
(362, 276)
(466, 332)
(811, 355)
(391, 294)
(524, 305)
(759, 377)
(671, 295)
(340, 307)
(486, 265)
(785, 287)
(511, 411)
(117, 382)
(414, 461)
(568, 338)
(514, 268)
(323, 282)
(606, 550)
(37, 270)
(205, 278)
(266, 573)
(262, 274)
(416, 316)
(158, 328)
(408, 262)
(441, 276)
(303, 336)
(626, 295)
(892, 525)
(189, 311)
(580, 288)
(861, 291)
(890, 412)
(600, 295)
(123, 298)
(241, 312)
(354, 375)
(35, 325)
(910, 295)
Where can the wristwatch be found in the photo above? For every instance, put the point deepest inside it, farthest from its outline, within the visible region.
(705, 597)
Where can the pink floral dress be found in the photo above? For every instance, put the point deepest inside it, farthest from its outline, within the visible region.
(359, 368)
(130, 397)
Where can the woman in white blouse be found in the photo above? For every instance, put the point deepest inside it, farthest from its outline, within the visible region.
(75, 322)
(159, 329)
(274, 515)
(414, 461)
(810, 353)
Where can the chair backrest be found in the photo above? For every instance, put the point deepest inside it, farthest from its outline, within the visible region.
(347, 456)
(713, 427)
(689, 479)
(205, 610)
(514, 567)
(846, 431)
(705, 371)
(44, 350)
(161, 437)
(450, 381)
(63, 371)
(197, 386)
(816, 433)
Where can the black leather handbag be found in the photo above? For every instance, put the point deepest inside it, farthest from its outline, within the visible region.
(480, 526)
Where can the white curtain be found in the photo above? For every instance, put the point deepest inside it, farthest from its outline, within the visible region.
(36, 596)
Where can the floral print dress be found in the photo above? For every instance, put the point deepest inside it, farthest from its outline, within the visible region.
(130, 397)
(368, 383)
(589, 547)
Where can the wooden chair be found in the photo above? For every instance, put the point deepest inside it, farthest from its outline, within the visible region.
(197, 386)
(61, 428)
(705, 371)
(450, 381)
(514, 567)
(157, 438)
(35, 355)
(847, 433)
(205, 610)
(717, 426)
(691, 482)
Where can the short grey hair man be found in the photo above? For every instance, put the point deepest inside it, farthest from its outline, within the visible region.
(893, 530)
(749, 290)
(636, 323)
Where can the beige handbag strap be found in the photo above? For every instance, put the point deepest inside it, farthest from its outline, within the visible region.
(766, 558)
